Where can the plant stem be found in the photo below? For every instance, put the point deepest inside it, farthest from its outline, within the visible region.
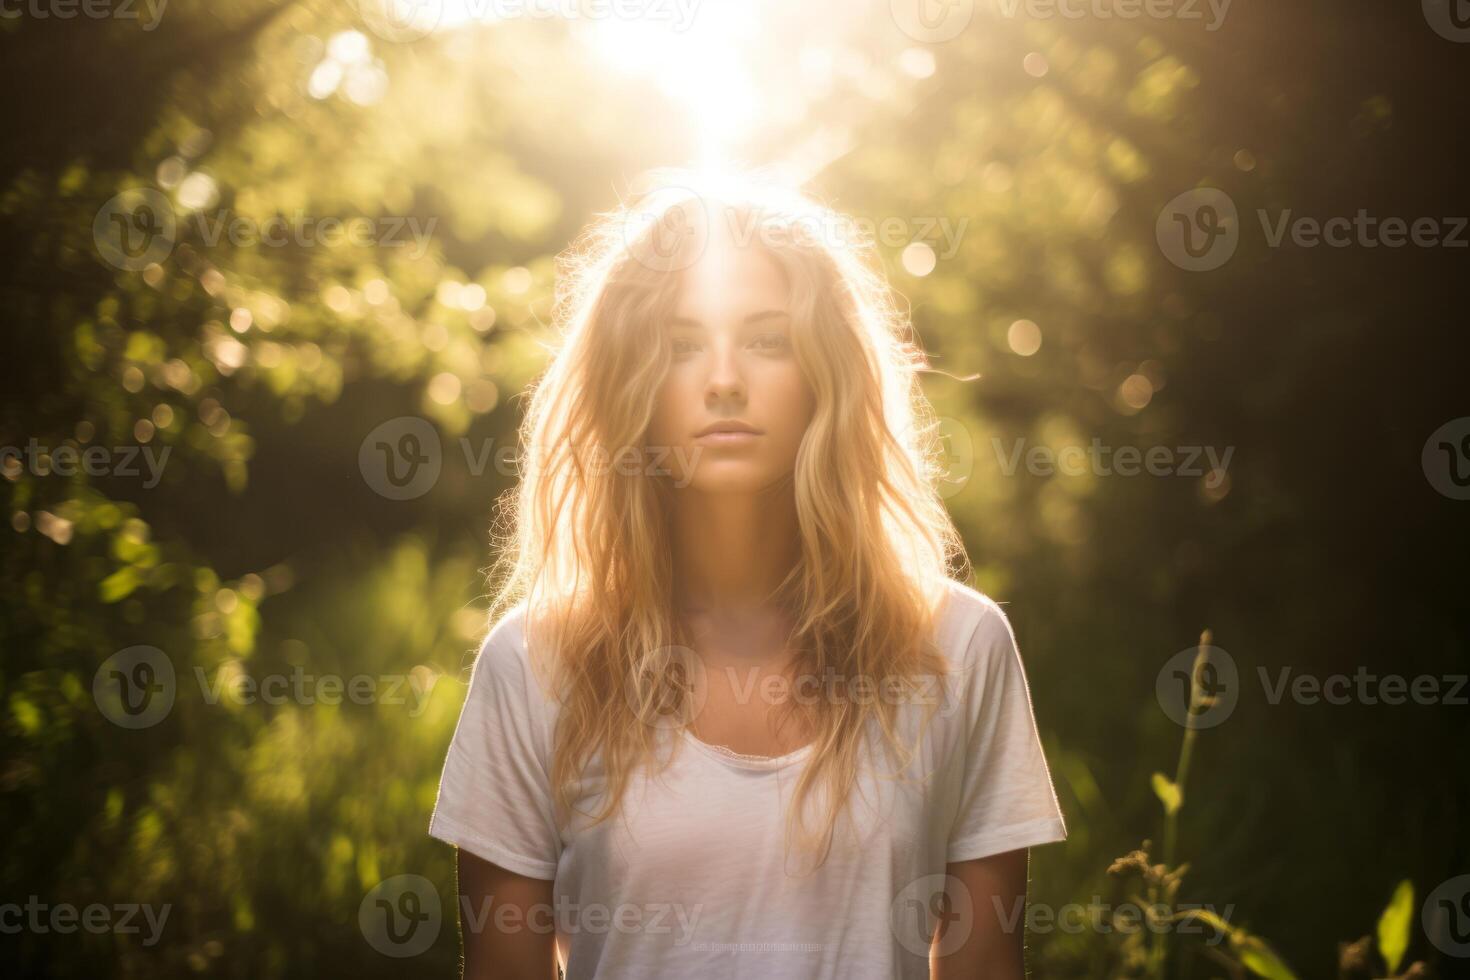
(1186, 748)
(1181, 773)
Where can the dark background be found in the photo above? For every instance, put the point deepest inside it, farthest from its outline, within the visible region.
(266, 545)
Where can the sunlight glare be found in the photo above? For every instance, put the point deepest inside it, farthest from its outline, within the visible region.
(704, 65)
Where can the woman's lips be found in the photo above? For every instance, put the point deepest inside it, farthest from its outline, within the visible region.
(727, 438)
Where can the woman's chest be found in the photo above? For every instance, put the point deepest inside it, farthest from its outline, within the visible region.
(706, 825)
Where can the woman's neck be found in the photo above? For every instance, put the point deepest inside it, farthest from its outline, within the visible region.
(732, 552)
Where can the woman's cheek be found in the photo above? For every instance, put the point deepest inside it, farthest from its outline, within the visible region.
(665, 416)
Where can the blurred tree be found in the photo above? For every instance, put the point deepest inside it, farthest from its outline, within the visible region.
(251, 379)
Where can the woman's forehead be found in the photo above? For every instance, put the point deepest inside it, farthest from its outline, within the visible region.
(731, 279)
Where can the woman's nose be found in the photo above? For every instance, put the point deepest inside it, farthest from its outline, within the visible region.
(725, 379)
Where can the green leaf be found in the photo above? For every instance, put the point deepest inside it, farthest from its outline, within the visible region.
(1216, 922)
(1168, 793)
(119, 584)
(1262, 960)
(1394, 924)
(144, 346)
(26, 714)
(1211, 919)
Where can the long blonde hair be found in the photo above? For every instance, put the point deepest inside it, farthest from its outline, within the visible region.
(584, 542)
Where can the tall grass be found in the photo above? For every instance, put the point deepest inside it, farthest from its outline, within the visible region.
(1155, 953)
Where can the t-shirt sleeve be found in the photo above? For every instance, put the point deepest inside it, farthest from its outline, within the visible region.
(1006, 797)
(495, 792)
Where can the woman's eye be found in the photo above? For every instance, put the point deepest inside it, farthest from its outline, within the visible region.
(770, 341)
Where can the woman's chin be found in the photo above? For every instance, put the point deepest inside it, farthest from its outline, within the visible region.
(730, 477)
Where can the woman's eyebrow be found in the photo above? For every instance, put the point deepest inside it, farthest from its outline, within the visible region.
(684, 321)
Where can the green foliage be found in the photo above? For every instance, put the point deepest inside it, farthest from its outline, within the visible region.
(1245, 950)
(252, 373)
(1260, 959)
(1394, 926)
(1168, 793)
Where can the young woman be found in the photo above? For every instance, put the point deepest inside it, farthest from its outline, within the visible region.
(735, 718)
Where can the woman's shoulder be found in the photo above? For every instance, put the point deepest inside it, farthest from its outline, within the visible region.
(972, 626)
(507, 633)
(505, 652)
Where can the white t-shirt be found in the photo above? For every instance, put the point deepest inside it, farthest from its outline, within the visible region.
(690, 878)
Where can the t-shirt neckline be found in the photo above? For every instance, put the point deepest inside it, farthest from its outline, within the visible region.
(736, 760)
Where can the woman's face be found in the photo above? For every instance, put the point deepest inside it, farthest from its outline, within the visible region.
(732, 362)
